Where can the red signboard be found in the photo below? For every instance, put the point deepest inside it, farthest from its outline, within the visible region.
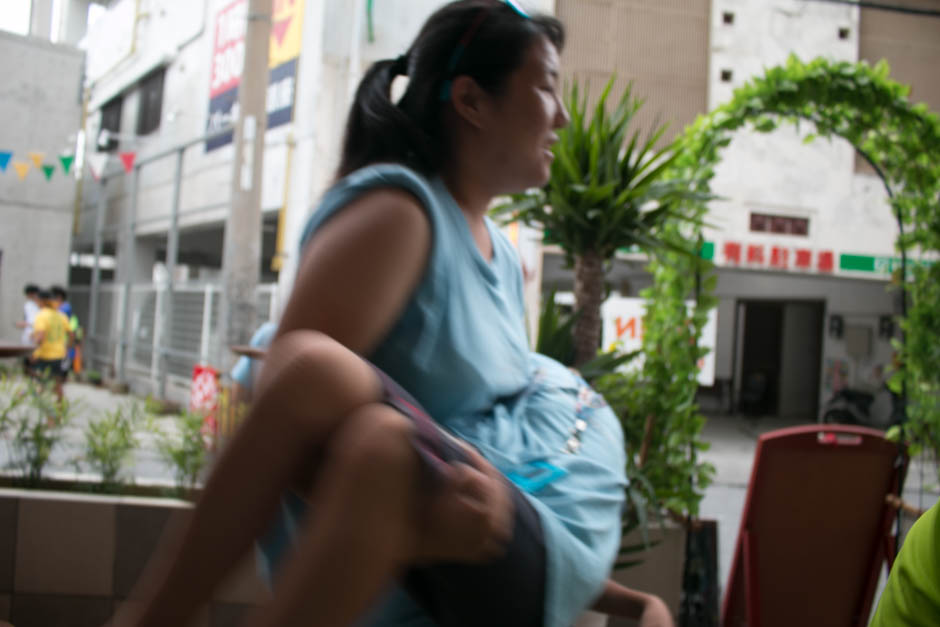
(228, 51)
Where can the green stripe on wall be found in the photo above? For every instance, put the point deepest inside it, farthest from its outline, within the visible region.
(708, 251)
(857, 263)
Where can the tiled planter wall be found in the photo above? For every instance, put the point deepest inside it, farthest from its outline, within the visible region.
(69, 560)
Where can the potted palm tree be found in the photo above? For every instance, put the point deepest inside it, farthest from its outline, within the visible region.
(607, 192)
(611, 188)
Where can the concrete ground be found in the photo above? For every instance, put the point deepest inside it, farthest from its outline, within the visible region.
(733, 440)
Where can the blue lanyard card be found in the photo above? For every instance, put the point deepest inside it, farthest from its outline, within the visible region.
(533, 476)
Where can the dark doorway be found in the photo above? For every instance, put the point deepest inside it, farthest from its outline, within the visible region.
(760, 358)
(779, 353)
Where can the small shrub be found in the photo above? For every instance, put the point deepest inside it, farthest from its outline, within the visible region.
(111, 441)
(186, 448)
(34, 426)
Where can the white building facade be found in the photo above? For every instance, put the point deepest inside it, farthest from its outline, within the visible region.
(802, 234)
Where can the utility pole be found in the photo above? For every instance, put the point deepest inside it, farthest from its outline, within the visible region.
(241, 255)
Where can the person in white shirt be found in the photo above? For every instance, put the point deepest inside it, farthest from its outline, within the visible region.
(31, 308)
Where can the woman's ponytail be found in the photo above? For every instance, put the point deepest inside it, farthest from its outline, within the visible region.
(377, 130)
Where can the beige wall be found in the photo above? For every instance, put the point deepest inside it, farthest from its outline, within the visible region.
(910, 44)
(661, 45)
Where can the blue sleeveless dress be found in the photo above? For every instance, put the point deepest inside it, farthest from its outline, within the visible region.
(460, 348)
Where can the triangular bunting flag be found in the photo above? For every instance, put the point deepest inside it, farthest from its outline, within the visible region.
(96, 163)
(5, 160)
(48, 169)
(22, 168)
(67, 162)
(127, 158)
(37, 158)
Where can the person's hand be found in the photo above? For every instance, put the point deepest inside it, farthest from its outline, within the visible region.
(470, 517)
(655, 613)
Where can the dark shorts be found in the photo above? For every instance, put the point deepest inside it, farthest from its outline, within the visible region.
(509, 591)
(48, 369)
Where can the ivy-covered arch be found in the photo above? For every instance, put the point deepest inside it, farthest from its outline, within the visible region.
(900, 140)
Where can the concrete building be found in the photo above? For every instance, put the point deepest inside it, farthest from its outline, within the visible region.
(40, 108)
(803, 234)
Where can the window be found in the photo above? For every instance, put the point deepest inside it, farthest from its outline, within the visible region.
(844, 33)
(150, 102)
(727, 17)
(782, 225)
(111, 122)
(726, 76)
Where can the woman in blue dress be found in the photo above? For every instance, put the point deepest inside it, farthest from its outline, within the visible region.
(399, 401)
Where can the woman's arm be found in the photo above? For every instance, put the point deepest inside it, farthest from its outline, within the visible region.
(359, 270)
(618, 600)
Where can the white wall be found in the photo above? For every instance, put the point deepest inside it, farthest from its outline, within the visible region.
(40, 109)
(777, 173)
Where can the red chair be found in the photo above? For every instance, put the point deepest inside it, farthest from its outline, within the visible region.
(815, 528)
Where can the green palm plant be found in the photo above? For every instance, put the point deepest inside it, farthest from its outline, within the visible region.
(607, 191)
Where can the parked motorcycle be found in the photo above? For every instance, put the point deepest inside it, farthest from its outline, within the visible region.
(849, 406)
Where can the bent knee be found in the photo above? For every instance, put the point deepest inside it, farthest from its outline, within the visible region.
(311, 371)
(377, 438)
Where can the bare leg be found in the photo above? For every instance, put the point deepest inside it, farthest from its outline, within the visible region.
(309, 384)
(364, 530)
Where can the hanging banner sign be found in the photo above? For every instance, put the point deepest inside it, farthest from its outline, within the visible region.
(36, 158)
(48, 169)
(5, 157)
(227, 64)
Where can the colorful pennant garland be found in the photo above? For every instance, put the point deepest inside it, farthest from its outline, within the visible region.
(96, 163)
(22, 168)
(127, 158)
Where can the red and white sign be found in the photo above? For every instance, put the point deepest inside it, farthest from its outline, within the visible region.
(204, 398)
(776, 257)
(228, 50)
(623, 329)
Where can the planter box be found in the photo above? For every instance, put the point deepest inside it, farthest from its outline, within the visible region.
(660, 573)
(72, 559)
(661, 570)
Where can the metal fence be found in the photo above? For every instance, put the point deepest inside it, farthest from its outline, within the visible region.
(161, 343)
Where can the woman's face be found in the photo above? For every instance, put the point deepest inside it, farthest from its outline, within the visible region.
(522, 121)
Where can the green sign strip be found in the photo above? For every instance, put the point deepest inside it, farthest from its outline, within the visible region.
(708, 251)
(857, 263)
(877, 265)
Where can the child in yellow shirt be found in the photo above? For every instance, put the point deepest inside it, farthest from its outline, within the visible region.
(52, 335)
